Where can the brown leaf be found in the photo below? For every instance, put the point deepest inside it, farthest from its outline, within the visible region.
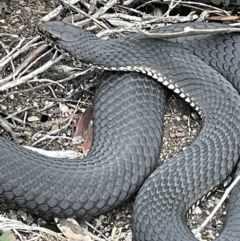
(83, 136)
(223, 18)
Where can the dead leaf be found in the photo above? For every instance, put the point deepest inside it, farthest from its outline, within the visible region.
(116, 233)
(83, 136)
(71, 229)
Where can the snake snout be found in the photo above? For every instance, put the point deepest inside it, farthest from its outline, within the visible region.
(57, 30)
(53, 31)
(67, 38)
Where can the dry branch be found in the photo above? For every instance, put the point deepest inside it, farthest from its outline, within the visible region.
(188, 31)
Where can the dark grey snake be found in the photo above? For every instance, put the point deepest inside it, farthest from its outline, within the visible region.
(128, 114)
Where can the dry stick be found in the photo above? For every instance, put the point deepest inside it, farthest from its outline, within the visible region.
(48, 135)
(228, 190)
(28, 62)
(3, 46)
(104, 9)
(34, 58)
(6, 126)
(31, 75)
(8, 224)
(91, 7)
(134, 11)
(51, 90)
(50, 82)
(6, 50)
(172, 5)
(148, 2)
(122, 16)
(189, 3)
(9, 54)
(125, 26)
(188, 31)
(120, 23)
(100, 24)
(65, 154)
(91, 226)
(234, 24)
(128, 2)
(13, 56)
(172, 19)
(57, 11)
(130, 27)
(10, 116)
(8, 35)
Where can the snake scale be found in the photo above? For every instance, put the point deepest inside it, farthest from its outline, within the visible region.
(128, 116)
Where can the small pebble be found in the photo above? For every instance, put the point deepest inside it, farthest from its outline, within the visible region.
(11, 96)
(63, 108)
(177, 118)
(33, 119)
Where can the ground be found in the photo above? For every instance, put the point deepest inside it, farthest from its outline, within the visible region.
(44, 114)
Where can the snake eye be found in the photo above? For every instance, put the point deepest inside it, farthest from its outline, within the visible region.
(52, 37)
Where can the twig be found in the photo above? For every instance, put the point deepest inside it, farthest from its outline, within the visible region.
(8, 35)
(172, 5)
(188, 31)
(50, 82)
(148, 2)
(48, 135)
(228, 190)
(6, 126)
(57, 11)
(189, 3)
(121, 15)
(100, 24)
(172, 19)
(47, 81)
(128, 2)
(10, 224)
(66, 154)
(105, 238)
(31, 75)
(11, 56)
(27, 63)
(33, 58)
(18, 112)
(8, 53)
(126, 26)
(104, 9)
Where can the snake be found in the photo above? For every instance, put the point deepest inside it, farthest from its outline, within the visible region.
(128, 129)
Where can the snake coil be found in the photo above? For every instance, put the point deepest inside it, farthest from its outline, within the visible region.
(128, 127)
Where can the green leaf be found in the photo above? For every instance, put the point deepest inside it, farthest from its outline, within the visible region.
(226, 2)
(7, 236)
(216, 2)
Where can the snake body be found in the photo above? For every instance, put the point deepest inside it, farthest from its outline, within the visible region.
(127, 140)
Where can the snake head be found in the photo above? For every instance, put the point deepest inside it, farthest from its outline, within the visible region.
(68, 39)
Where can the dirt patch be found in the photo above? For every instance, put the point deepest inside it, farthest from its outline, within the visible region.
(22, 17)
